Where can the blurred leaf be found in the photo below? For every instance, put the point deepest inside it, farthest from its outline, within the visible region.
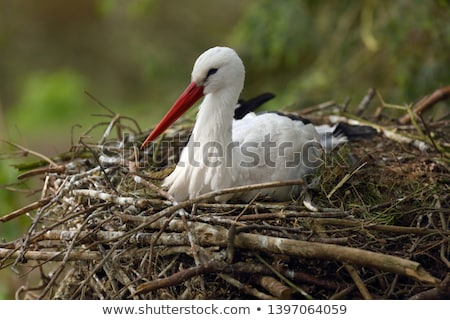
(134, 8)
(270, 33)
(105, 7)
(138, 8)
(332, 50)
(49, 99)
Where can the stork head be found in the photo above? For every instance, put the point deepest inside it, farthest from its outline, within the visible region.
(218, 70)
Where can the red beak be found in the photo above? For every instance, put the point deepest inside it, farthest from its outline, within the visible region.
(189, 96)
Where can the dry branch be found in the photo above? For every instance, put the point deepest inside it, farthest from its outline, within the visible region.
(365, 102)
(358, 281)
(246, 288)
(370, 225)
(440, 293)
(427, 102)
(51, 256)
(179, 277)
(26, 209)
(355, 256)
(275, 287)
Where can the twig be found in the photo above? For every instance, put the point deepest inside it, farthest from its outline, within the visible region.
(101, 104)
(51, 228)
(286, 280)
(365, 102)
(178, 277)
(392, 286)
(319, 107)
(255, 206)
(107, 197)
(346, 103)
(304, 277)
(110, 274)
(238, 217)
(358, 281)
(229, 252)
(275, 287)
(439, 293)
(344, 180)
(104, 171)
(213, 194)
(39, 171)
(245, 288)
(108, 129)
(51, 256)
(379, 227)
(126, 281)
(388, 133)
(286, 214)
(37, 154)
(141, 180)
(427, 102)
(32, 206)
(344, 292)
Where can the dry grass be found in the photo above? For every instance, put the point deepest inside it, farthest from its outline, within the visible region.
(375, 225)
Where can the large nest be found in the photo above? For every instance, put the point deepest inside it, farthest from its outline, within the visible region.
(375, 224)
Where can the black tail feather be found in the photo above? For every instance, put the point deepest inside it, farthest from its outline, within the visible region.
(354, 132)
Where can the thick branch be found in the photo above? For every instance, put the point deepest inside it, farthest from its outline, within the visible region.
(216, 235)
(327, 251)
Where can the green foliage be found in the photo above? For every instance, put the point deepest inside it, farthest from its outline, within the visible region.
(49, 102)
(134, 8)
(8, 200)
(49, 99)
(331, 50)
(269, 34)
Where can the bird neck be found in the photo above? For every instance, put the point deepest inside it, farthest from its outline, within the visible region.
(215, 120)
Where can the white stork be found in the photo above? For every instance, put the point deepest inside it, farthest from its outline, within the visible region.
(223, 152)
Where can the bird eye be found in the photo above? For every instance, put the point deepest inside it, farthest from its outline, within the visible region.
(211, 71)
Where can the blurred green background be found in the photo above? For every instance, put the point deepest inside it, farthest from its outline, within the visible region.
(136, 56)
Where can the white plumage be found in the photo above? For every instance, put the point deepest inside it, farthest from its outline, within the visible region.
(223, 152)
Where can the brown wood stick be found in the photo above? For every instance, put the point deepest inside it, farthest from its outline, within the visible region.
(51, 256)
(379, 227)
(358, 281)
(246, 288)
(27, 208)
(427, 102)
(275, 287)
(39, 171)
(178, 277)
(314, 250)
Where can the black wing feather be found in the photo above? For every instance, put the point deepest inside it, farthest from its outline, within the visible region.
(247, 106)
